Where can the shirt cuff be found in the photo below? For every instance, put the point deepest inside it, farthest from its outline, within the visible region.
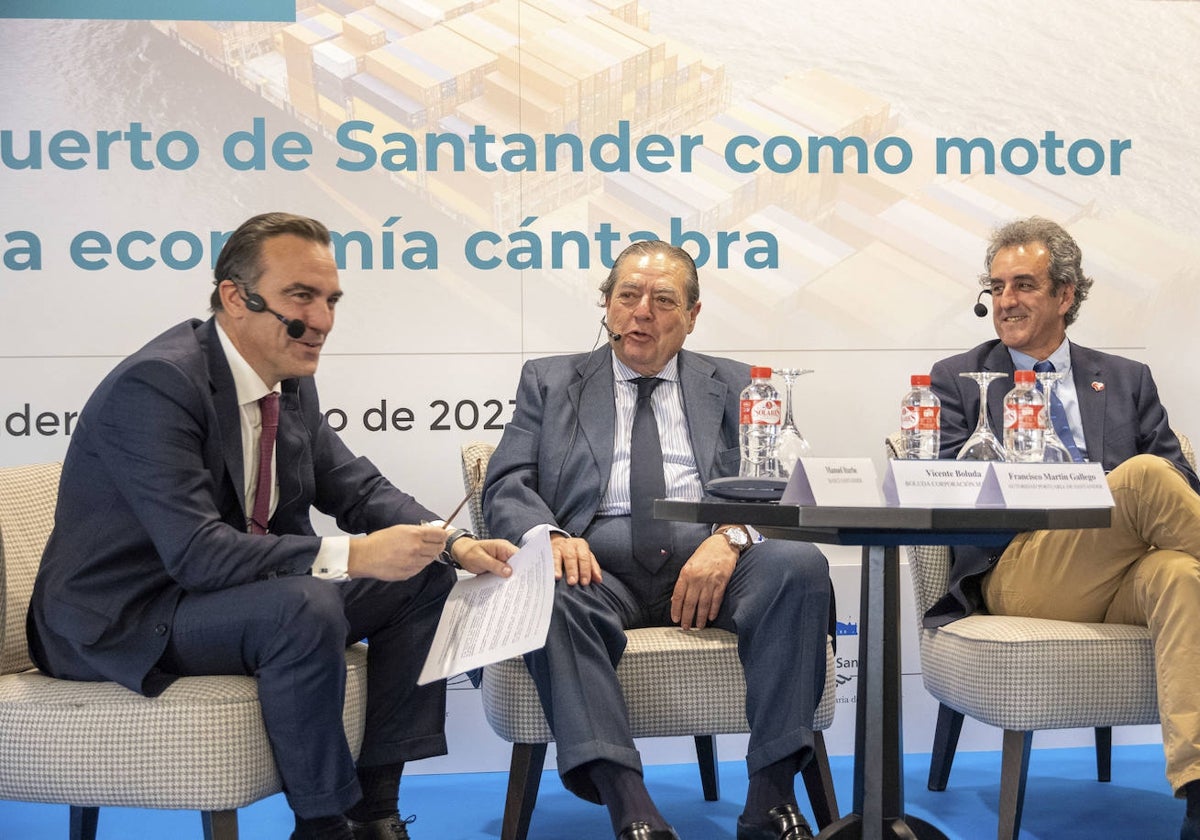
(333, 559)
(554, 529)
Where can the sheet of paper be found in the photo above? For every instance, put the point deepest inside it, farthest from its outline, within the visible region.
(487, 618)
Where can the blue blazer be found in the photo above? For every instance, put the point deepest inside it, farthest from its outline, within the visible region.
(151, 506)
(1122, 417)
(554, 459)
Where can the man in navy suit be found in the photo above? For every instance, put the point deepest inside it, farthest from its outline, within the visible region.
(166, 560)
(1143, 569)
(566, 459)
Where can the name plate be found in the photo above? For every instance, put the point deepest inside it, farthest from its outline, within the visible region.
(934, 483)
(834, 482)
(1046, 485)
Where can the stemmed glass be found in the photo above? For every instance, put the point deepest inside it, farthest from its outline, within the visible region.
(790, 445)
(982, 445)
(1053, 449)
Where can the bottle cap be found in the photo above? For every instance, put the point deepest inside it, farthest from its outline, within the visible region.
(920, 379)
(1025, 376)
(760, 373)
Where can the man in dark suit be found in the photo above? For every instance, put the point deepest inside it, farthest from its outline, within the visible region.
(567, 459)
(1143, 569)
(178, 549)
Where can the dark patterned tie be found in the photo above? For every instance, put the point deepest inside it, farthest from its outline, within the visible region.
(269, 406)
(651, 537)
(1058, 414)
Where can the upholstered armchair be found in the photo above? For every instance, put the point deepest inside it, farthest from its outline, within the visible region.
(1026, 674)
(199, 745)
(675, 682)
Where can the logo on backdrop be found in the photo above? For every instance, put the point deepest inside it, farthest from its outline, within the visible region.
(276, 10)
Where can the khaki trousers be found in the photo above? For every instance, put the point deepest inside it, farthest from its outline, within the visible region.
(1142, 570)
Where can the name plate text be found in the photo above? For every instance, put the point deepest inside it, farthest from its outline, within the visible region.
(934, 483)
(833, 482)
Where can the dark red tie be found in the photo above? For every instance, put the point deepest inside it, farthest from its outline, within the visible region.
(269, 406)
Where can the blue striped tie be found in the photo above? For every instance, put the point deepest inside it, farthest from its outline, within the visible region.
(1058, 414)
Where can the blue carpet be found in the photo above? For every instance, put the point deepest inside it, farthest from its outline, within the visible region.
(1063, 802)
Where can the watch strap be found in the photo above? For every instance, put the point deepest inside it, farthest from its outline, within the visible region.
(739, 546)
(457, 534)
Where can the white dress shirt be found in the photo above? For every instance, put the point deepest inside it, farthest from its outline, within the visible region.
(1065, 389)
(333, 557)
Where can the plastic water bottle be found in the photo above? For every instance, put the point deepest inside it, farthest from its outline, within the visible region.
(920, 420)
(1023, 407)
(761, 415)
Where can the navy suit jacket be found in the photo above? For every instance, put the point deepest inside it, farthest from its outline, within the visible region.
(151, 506)
(553, 462)
(1121, 414)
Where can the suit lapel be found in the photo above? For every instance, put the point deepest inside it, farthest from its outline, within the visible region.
(592, 396)
(1092, 402)
(704, 407)
(229, 424)
(291, 445)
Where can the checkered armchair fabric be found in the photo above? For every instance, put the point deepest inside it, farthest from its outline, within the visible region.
(1025, 674)
(675, 683)
(199, 745)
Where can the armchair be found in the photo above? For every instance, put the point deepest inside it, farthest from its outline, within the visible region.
(1026, 674)
(675, 683)
(199, 745)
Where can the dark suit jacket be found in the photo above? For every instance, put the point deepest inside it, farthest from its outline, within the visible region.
(151, 506)
(554, 459)
(1121, 419)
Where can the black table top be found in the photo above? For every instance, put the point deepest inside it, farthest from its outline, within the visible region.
(884, 525)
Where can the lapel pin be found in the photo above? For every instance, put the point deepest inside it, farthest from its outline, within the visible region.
(1097, 386)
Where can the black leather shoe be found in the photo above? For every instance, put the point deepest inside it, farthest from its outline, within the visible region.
(390, 827)
(308, 833)
(641, 830)
(786, 823)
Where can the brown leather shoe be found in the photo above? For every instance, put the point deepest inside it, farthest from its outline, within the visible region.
(785, 823)
(640, 830)
(390, 827)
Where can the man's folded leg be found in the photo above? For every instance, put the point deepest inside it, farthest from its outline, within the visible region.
(290, 633)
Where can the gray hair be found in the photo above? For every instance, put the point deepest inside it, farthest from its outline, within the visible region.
(646, 247)
(1065, 256)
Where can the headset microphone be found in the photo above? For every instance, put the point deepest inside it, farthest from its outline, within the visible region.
(295, 327)
(980, 307)
(614, 336)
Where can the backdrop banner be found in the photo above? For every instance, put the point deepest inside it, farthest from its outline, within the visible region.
(835, 169)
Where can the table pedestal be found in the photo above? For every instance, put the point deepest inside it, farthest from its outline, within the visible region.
(878, 810)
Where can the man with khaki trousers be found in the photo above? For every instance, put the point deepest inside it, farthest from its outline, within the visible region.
(1143, 569)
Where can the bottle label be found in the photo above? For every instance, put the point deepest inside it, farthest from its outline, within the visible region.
(1023, 417)
(921, 418)
(761, 413)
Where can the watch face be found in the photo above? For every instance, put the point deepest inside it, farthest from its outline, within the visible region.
(737, 538)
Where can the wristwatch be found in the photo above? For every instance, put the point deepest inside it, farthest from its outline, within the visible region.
(739, 537)
(447, 556)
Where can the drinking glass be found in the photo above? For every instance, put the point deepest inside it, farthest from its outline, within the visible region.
(790, 445)
(982, 445)
(1053, 449)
